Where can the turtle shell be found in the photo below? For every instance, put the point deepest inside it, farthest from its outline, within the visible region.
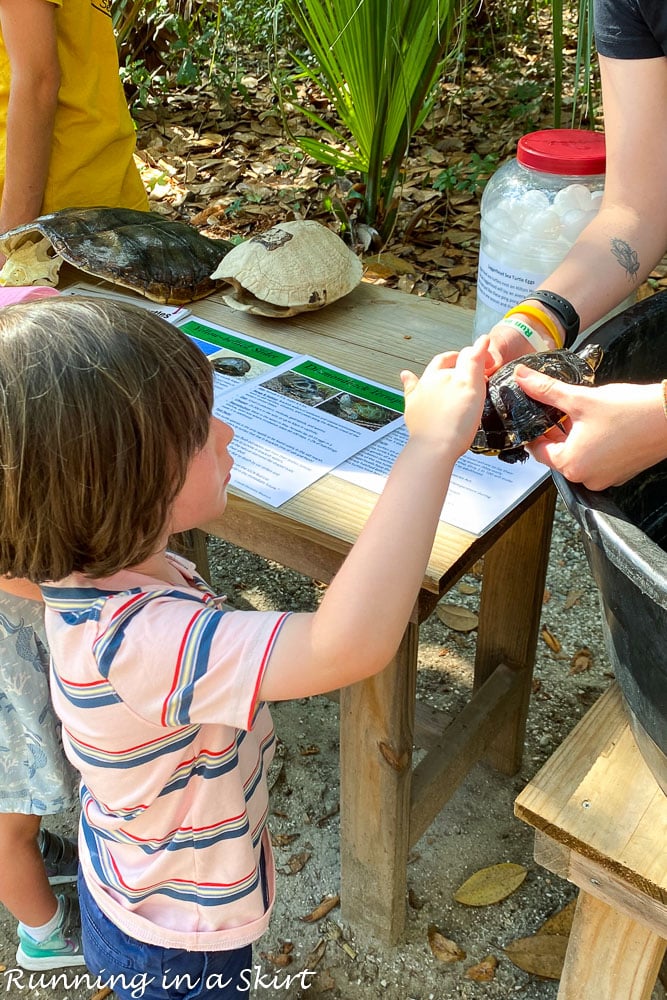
(510, 418)
(291, 268)
(161, 259)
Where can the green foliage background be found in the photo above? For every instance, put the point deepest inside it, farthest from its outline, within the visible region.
(357, 53)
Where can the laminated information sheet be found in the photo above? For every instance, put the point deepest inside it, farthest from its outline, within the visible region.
(295, 418)
(481, 491)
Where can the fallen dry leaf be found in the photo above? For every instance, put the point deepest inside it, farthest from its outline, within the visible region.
(309, 751)
(317, 954)
(484, 971)
(581, 661)
(467, 588)
(325, 981)
(281, 958)
(550, 639)
(490, 885)
(390, 263)
(326, 906)
(560, 922)
(296, 863)
(456, 617)
(478, 568)
(323, 820)
(406, 283)
(444, 949)
(573, 597)
(283, 839)
(100, 995)
(541, 954)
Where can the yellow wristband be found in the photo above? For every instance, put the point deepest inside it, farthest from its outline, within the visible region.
(542, 317)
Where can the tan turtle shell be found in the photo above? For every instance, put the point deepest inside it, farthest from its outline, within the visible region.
(291, 268)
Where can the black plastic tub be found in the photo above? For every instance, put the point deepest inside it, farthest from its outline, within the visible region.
(624, 532)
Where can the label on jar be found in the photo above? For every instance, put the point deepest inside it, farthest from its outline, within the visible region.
(501, 286)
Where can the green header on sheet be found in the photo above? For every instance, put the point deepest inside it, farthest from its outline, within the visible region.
(259, 352)
(354, 386)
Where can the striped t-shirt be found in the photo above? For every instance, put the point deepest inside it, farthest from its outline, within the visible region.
(157, 688)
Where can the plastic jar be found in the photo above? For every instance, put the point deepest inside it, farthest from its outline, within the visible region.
(533, 208)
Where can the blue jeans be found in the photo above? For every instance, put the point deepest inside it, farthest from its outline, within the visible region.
(139, 971)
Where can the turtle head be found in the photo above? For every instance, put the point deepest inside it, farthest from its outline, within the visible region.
(592, 354)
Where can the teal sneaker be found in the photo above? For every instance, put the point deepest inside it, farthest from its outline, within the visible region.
(61, 857)
(60, 950)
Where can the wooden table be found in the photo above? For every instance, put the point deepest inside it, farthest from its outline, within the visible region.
(385, 804)
(601, 822)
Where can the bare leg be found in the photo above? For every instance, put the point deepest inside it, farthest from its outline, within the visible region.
(24, 886)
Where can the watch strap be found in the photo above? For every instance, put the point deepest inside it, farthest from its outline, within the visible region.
(565, 311)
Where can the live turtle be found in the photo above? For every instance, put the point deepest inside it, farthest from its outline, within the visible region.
(291, 268)
(163, 260)
(510, 418)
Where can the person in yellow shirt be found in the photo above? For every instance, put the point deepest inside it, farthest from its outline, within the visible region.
(66, 140)
(66, 136)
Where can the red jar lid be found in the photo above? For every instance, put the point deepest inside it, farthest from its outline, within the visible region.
(570, 151)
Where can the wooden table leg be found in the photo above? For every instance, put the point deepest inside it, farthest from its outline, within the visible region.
(376, 738)
(192, 545)
(609, 955)
(509, 617)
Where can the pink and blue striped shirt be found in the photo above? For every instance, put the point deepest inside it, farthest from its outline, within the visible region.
(157, 688)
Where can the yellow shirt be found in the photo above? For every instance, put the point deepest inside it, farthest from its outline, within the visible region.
(93, 137)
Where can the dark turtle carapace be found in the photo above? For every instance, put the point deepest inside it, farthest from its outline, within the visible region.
(165, 260)
(510, 418)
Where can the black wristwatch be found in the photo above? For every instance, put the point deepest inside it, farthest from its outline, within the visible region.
(565, 311)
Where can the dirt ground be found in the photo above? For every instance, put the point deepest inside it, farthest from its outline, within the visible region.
(329, 960)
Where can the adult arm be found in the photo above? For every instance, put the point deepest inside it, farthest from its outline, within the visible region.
(29, 32)
(362, 617)
(612, 432)
(620, 247)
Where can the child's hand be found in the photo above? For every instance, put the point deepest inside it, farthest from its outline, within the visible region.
(444, 406)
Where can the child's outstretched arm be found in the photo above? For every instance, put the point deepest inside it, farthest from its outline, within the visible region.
(29, 33)
(359, 625)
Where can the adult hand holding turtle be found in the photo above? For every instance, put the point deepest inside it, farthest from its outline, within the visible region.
(609, 426)
(612, 432)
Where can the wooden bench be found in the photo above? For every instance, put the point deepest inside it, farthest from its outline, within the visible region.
(601, 822)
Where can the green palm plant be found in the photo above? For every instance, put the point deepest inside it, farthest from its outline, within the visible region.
(584, 77)
(376, 62)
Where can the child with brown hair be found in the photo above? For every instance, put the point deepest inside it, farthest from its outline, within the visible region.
(107, 447)
(66, 141)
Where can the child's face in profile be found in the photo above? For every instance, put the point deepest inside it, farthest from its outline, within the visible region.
(203, 496)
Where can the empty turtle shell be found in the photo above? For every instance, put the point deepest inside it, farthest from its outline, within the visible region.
(291, 268)
(161, 259)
